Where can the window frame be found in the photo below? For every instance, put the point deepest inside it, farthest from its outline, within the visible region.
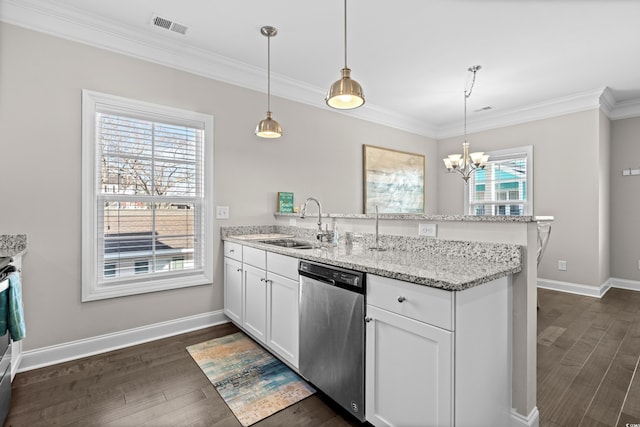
(506, 154)
(92, 287)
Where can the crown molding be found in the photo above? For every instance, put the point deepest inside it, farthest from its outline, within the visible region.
(626, 109)
(71, 24)
(555, 107)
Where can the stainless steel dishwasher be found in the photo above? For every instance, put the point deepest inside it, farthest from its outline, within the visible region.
(332, 333)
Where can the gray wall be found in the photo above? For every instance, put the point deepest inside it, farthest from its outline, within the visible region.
(565, 149)
(41, 79)
(625, 199)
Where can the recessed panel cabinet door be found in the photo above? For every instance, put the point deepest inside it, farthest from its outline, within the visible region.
(233, 289)
(283, 320)
(255, 302)
(409, 372)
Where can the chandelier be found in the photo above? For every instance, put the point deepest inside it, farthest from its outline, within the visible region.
(466, 164)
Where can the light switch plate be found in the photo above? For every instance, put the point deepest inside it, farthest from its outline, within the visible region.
(427, 230)
(222, 212)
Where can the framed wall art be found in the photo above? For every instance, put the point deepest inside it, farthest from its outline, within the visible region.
(393, 180)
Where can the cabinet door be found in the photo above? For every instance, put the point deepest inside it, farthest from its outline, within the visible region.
(409, 373)
(255, 302)
(282, 317)
(233, 289)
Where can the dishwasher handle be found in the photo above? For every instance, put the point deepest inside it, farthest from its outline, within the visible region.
(317, 278)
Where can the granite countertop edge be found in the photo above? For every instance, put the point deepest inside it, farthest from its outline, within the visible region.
(12, 244)
(399, 265)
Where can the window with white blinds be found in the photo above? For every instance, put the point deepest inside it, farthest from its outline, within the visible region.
(504, 186)
(147, 184)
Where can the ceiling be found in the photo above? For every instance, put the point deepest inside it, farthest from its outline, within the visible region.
(538, 57)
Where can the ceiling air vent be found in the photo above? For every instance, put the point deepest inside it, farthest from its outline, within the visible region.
(487, 108)
(168, 24)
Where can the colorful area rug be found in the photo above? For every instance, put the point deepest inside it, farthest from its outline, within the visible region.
(252, 382)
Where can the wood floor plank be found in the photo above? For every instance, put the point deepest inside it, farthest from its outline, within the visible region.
(607, 402)
(573, 405)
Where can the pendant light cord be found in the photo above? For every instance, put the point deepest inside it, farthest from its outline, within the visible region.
(345, 34)
(467, 94)
(269, 73)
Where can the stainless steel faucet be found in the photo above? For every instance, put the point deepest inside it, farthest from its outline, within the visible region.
(321, 234)
(377, 247)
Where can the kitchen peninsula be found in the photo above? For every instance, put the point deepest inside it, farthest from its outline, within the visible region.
(465, 269)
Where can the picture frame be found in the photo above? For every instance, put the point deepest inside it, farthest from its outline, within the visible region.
(393, 180)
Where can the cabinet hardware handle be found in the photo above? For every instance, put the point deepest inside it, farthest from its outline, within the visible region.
(262, 279)
(368, 319)
(269, 281)
(401, 299)
(239, 269)
(231, 251)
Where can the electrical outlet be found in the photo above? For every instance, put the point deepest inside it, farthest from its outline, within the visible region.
(562, 265)
(427, 230)
(222, 212)
(292, 222)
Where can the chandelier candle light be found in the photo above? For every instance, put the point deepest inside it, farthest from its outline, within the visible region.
(466, 163)
(268, 128)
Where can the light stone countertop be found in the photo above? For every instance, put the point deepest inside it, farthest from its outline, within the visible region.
(425, 217)
(12, 244)
(444, 264)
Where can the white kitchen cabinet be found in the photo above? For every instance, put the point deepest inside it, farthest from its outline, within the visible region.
(255, 302)
(233, 289)
(283, 318)
(438, 358)
(409, 373)
(268, 299)
(233, 281)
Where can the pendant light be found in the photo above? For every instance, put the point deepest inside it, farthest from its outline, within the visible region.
(345, 93)
(466, 164)
(268, 128)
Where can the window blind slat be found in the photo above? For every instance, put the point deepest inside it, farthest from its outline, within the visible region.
(149, 181)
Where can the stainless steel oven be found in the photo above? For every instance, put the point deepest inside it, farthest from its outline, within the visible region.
(332, 309)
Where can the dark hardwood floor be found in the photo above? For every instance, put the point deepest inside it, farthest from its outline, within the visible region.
(155, 384)
(588, 355)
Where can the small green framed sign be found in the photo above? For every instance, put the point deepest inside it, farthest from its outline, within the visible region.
(285, 202)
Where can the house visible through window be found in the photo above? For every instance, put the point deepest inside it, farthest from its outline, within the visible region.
(147, 181)
(504, 186)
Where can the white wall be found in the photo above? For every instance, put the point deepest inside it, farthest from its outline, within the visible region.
(625, 199)
(41, 78)
(566, 149)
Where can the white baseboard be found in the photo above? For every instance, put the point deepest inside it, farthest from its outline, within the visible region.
(531, 420)
(576, 288)
(632, 285)
(45, 356)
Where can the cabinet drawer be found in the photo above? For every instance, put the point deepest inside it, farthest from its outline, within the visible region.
(283, 265)
(255, 257)
(429, 305)
(233, 250)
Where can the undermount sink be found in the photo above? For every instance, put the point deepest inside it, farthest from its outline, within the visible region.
(289, 243)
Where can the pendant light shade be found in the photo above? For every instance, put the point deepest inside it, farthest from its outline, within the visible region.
(345, 93)
(268, 128)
